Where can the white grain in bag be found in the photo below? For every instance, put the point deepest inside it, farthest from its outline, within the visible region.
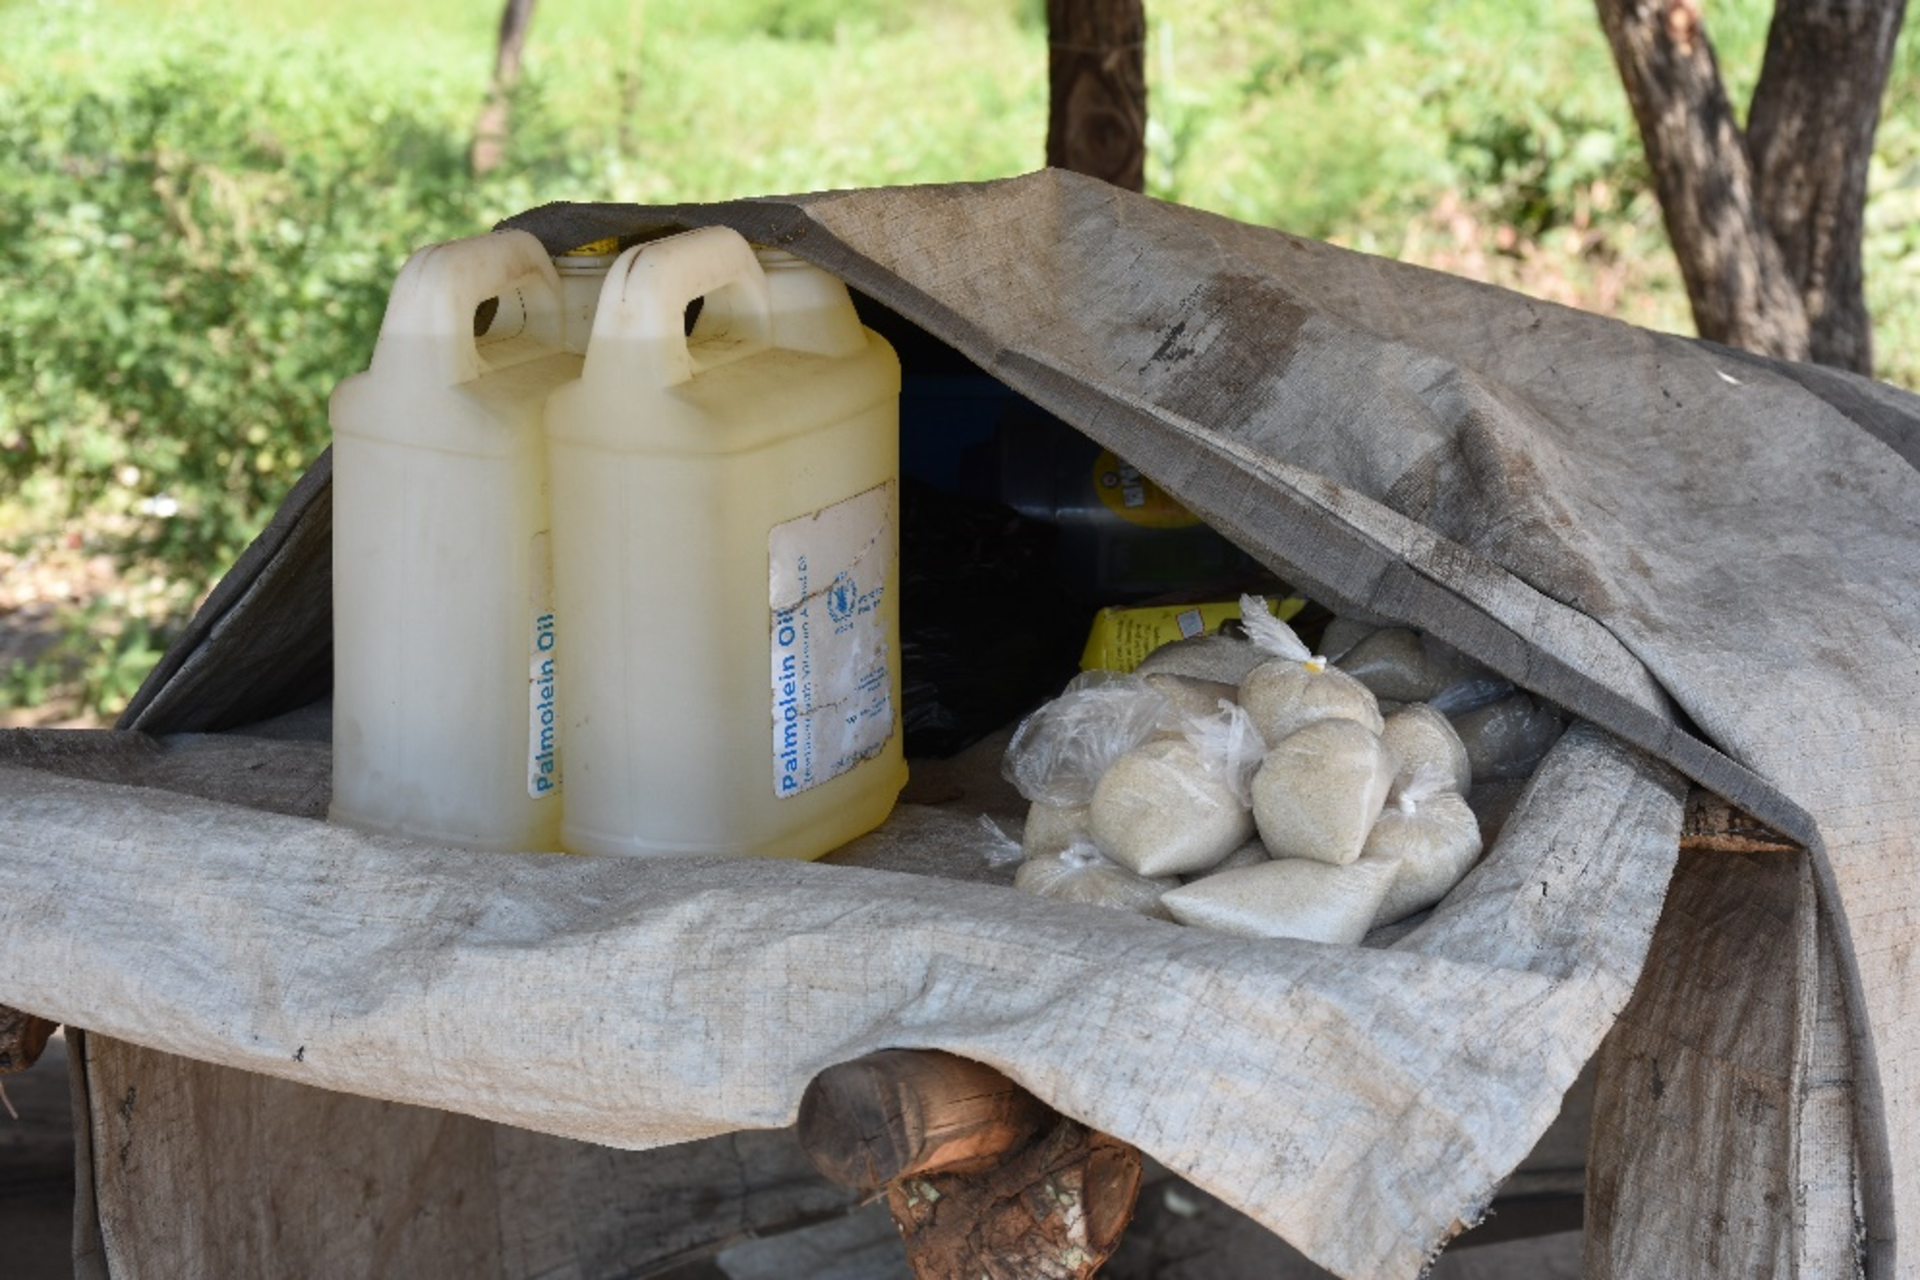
(1190, 696)
(1250, 854)
(1079, 873)
(1224, 659)
(1293, 688)
(1419, 737)
(1051, 828)
(1179, 805)
(1430, 835)
(1285, 898)
(1407, 666)
(1318, 791)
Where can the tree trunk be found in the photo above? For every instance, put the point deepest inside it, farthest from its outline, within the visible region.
(1737, 278)
(1767, 226)
(1097, 81)
(491, 130)
(1810, 132)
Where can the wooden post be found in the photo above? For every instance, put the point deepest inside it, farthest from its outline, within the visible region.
(1097, 83)
(983, 1179)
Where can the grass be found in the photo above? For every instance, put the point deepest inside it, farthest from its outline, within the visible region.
(202, 202)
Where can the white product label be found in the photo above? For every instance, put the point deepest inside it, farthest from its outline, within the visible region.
(543, 717)
(832, 683)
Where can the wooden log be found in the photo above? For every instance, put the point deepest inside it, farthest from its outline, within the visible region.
(982, 1178)
(23, 1037)
(900, 1113)
(1711, 825)
(1054, 1210)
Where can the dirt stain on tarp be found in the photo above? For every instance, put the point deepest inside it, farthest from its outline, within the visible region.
(1210, 371)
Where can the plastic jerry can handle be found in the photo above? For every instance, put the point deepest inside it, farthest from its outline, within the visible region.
(431, 311)
(640, 326)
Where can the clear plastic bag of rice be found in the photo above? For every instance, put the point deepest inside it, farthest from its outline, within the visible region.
(1250, 854)
(1080, 873)
(1471, 692)
(1318, 791)
(1058, 753)
(1421, 737)
(1217, 656)
(1173, 806)
(1190, 696)
(1431, 836)
(1509, 738)
(1050, 828)
(1339, 636)
(1293, 688)
(1286, 898)
(1404, 665)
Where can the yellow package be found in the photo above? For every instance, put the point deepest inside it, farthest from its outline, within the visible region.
(1121, 638)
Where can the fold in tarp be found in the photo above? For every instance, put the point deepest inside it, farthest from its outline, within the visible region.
(1708, 558)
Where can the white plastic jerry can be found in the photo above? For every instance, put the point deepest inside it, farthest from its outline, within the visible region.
(446, 645)
(726, 558)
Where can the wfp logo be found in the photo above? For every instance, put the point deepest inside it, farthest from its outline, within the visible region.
(845, 600)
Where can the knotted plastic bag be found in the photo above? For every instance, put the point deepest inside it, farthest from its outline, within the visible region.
(1215, 656)
(1250, 854)
(1340, 635)
(1293, 688)
(1404, 665)
(1421, 737)
(1286, 898)
(1430, 835)
(1058, 753)
(1051, 828)
(1510, 737)
(1190, 696)
(1174, 806)
(1080, 873)
(1318, 791)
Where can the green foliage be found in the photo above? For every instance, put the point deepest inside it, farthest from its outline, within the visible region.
(1337, 119)
(193, 251)
(99, 657)
(1538, 169)
(816, 20)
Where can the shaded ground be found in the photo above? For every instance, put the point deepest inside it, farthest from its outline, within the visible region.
(1178, 1233)
(36, 1170)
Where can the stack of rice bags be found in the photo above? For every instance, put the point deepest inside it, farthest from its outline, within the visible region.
(1247, 786)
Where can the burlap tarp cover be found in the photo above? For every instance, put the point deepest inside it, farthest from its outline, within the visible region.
(1709, 558)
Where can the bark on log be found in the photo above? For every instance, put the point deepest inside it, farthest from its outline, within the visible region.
(982, 1178)
(1737, 277)
(1810, 134)
(23, 1038)
(899, 1113)
(1096, 74)
(1053, 1211)
(1711, 825)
